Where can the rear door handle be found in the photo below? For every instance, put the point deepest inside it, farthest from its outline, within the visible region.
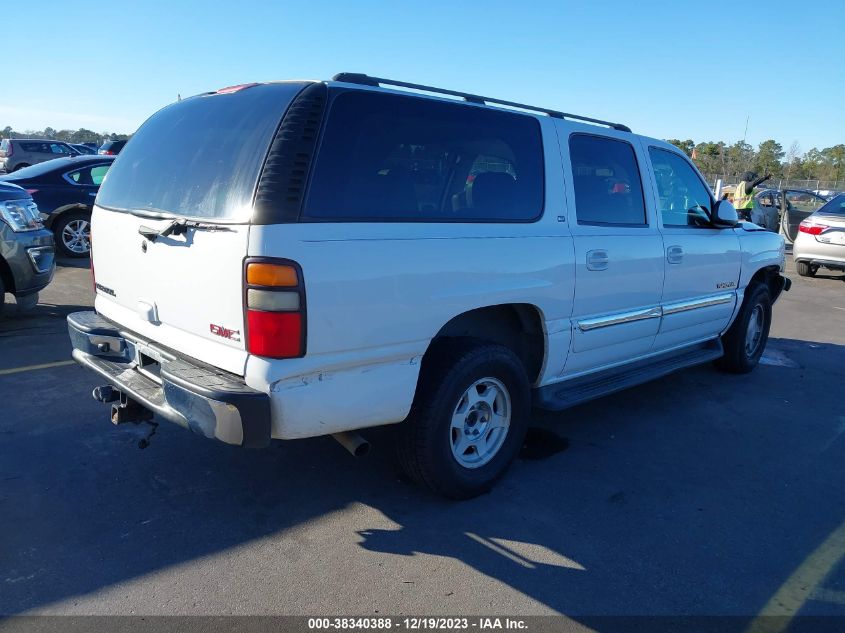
(597, 260)
(674, 254)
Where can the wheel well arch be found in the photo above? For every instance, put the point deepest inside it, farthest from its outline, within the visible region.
(518, 326)
(7, 277)
(768, 276)
(57, 213)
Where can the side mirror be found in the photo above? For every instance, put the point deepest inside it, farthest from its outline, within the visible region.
(724, 215)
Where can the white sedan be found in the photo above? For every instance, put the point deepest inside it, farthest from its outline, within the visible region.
(821, 239)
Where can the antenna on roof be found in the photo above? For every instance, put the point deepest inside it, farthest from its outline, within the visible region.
(366, 80)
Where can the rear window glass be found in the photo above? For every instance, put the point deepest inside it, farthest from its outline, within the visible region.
(834, 206)
(199, 157)
(393, 158)
(606, 178)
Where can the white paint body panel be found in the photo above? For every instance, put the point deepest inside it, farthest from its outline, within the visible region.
(190, 281)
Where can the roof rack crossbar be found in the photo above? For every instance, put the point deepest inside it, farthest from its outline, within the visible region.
(366, 80)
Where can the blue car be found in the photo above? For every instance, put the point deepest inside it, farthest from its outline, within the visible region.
(64, 190)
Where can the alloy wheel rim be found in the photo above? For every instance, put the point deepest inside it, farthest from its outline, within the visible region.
(480, 423)
(754, 332)
(76, 236)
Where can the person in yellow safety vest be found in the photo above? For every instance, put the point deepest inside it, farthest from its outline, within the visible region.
(743, 196)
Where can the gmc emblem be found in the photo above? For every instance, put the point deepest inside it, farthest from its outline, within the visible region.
(224, 332)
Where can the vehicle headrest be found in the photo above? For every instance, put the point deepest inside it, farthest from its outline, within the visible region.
(493, 192)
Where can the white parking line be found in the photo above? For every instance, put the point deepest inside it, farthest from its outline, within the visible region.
(18, 370)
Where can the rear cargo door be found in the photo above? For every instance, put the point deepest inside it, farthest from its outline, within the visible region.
(171, 221)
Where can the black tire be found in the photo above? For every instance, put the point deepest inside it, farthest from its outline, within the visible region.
(425, 440)
(741, 353)
(2, 296)
(806, 270)
(58, 230)
(20, 166)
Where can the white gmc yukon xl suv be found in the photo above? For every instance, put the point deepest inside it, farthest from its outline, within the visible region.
(294, 259)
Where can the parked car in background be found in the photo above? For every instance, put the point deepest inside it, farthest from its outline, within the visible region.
(820, 240)
(111, 148)
(434, 263)
(64, 190)
(770, 204)
(18, 153)
(27, 257)
(92, 145)
(83, 149)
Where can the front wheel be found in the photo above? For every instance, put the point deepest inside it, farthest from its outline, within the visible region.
(73, 234)
(468, 420)
(746, 339)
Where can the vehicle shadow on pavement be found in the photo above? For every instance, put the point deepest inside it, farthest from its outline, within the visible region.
(39, 315)
(684, 496)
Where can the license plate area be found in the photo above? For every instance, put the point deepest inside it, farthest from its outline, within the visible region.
(148, 361)
(835, 237)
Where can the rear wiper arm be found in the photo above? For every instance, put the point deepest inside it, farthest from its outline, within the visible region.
(179, 227)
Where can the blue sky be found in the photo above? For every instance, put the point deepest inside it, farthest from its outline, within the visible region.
(668, 69)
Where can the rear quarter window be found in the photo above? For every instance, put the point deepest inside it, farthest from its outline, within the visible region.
(387, 157)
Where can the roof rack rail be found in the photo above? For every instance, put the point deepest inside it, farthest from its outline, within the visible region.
(366, 80)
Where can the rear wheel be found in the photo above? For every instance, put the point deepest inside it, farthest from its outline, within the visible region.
(468, 420)
(73, 234)
(746, 339)
(2, 295)
(805, 269)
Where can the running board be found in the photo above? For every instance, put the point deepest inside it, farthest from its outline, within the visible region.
(562, 395)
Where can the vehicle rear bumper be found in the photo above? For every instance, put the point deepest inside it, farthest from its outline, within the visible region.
(208, 401)
(821, 260)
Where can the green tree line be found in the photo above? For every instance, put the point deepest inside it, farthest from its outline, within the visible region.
(826, 164)
(69, 136)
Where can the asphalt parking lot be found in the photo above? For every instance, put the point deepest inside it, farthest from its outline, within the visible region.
(698, 494)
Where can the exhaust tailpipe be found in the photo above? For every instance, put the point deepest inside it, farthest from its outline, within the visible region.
(352, 442)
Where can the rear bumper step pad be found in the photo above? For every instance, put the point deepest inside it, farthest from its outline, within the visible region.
(209, 401)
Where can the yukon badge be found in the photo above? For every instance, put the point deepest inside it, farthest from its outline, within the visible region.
(224, 332)
(725, 284)
(105, 289)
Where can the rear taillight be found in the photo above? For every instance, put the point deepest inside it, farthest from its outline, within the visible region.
(106, 152)
(274, 299)
(32, 192)
(10, 150)
(812, 228)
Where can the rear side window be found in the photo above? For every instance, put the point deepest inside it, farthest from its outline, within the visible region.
(606, 178)
(37, 148)
(199, 157)
(89, 175)
(393, 158)
(98, 173)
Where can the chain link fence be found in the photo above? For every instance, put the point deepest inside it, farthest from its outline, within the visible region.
(782, 183)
